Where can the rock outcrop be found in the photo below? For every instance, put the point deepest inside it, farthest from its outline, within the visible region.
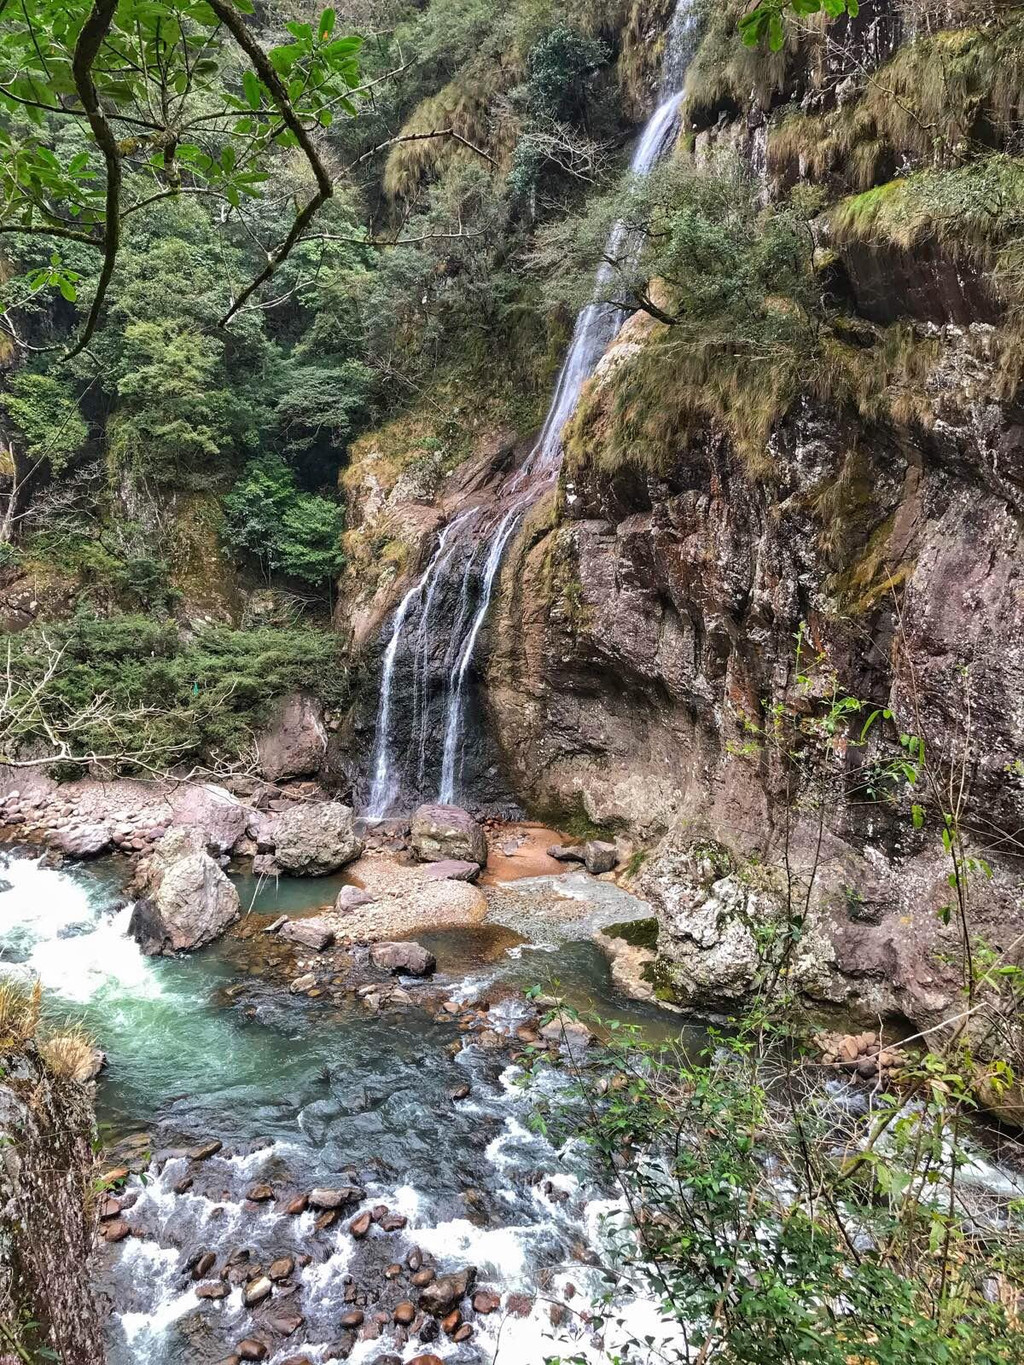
(185, 900)
(295, 742)
(315, 839)
(447, 833)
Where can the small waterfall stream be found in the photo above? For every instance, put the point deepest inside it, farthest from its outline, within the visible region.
(434, 609)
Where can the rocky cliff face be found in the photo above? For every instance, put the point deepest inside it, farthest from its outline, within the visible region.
(641, 661)
(46, 1220)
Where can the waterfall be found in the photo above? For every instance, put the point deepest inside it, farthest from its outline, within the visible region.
(596, 327)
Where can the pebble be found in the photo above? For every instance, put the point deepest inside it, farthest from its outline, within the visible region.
(353, 1319)
(405, 1313)
(298, 1205)
(422, 1277)
(257, 1290)
(203, 1265)
(281, 1268)
(461, 1092)
(360, 1226)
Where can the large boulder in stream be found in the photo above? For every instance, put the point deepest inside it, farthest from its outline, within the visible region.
(447, 833)
(412, 959)
(316, 839)
(186, 900)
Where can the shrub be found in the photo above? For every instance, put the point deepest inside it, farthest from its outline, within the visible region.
(283, 529)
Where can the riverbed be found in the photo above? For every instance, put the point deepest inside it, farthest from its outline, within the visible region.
(306, 1093)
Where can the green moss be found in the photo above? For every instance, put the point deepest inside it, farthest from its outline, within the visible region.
(638, 933)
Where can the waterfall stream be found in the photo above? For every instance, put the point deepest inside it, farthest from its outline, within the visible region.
(406, 722)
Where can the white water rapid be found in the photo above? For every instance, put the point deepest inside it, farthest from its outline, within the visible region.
(406, 729)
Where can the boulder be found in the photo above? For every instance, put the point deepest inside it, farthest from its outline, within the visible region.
(446, 833)
(447, 1292)
(453, 870)
(351, 898)
(334, 1199)
(257, 1290)
(213, 810)
(295, 741)
(315, 839)
(568, 853)
(600, 856)
(311, 933)
(567, 1033)
(186, 899)
(411, 958)
(82, 841)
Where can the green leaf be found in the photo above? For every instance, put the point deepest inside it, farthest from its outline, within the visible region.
(326, 24)
(251, 90)
(245, 6)
(917, 815)
(776, 36)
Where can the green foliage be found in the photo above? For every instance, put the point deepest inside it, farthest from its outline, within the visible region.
(283, 529)
(559, 74)
(765, 22)
(141, 694)
(760, 1211)
(46, 413)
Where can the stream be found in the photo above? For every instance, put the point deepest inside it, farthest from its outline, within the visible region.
(302, 1094)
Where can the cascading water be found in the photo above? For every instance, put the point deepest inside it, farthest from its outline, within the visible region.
(435, 609)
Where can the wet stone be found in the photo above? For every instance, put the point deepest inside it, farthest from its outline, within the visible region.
(451, 1322)
(285, 1323)
(486, 1301)
(297, 1205)
(216, 1290)
(206, 1150)
(353, 1319)
(422, 1277)
(116, 1231)
(204, 1263)
(414, 1259)
(461, 1092)
(260, 1194)
(464, 1333)
(360, 1226)
(405, 1313)
(392, 1271)
(257, 1290)
(326, 1220)
(393, 1222)
(252, 1349)
(281, 1268)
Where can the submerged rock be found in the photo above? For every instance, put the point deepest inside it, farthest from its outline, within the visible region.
(186, 900)
(315, 840)
(447, 833)
(411, 958)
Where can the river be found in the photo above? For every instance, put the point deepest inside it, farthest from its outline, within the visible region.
(304, 1093)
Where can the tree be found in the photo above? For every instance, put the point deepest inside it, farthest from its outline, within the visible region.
(163, 98)
(283, 529)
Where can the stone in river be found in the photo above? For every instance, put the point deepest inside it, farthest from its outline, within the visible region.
(422, 1277)
(393, 1222)
(302, 983)
(414, 1259)
(405, 1313)
(353, 1319)
(352, 898)
(206, 1150)
(297, 1360)
(298, 1205)
(252, 1349)
(360, 1226)
(519, 1305)
(285, 1321)
(257, 1290)
(217, 1290)
(567, 853)
(312, 933)
(451, 1322)
(186, 899)
(260, 1194)
(116, 1231)
(392, 1271)
(411, 958)
(109, 1208)
(426, 1360)
(486, 1301)
(321, 1198)
(464, 1333)
(600, 856)
(316, 839)
(453, 870)
(447, 1292)
(203, 1265)
(281, 1268)
(82, 841)
(326, 1220)
(445, 833)
(461, 1092)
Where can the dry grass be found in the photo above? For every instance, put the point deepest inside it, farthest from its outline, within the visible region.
(68, 1054)
(20, 1003)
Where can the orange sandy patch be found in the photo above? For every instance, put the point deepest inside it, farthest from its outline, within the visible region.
(530, 858)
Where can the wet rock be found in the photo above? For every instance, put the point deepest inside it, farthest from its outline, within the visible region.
(312, 933)
(82, 841)
(447, 833)
(115, 1231)
(353, 1319)
(486, 1301)
(451, 1322)
(360, 1226)
(186, 899)
(297, 1360)
(392, 1271)
(109, 1208)
(351, 898)
(393, 1222)
(276, 924)
(414, 1259)
(260, 1194)
(446, 1292)
(301, 984)
(463, 1333)
(203, 1264)
(316, 839)
(326, 1220)
(461, 1092)
(519, 1305)
(281, 1268)
(284, 1322)
(295, 741)
(206, 1149)
(321, 1198)
(405, 1313)
(252, 1349)
(217, 1290)
(426, 1360)
(257, 1290)
(263, 865)
(422, 1277)
(566, 1033)
(600, 856)
(453, 870)
(412, 959)
(298, 1205)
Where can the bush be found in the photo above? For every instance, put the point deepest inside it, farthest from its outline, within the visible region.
(282, 529)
